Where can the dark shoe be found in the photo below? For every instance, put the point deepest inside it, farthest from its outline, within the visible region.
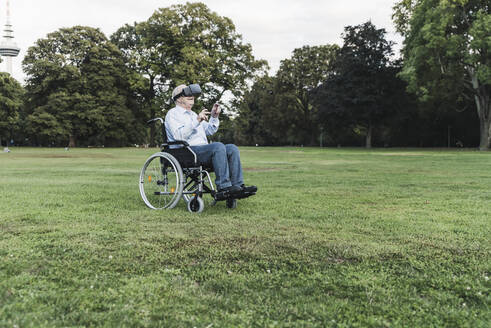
(228, 192)
(248, 189)
(245, 192)
(231, 189)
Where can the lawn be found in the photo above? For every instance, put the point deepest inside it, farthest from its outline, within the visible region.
(334, 238)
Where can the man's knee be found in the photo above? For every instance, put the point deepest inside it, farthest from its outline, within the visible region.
(219, 147)
(231, 149)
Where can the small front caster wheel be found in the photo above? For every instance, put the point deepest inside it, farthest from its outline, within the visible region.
(231, 203)
(196, 205)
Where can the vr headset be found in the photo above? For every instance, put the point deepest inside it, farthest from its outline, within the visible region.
(192, 90)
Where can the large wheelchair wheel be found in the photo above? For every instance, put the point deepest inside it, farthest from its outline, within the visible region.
(161, 181)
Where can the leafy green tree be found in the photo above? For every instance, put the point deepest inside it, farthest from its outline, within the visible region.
(447, 52)
(11, 101)
(78, 90)
(184, 44)
(252, 125)
(360, 91)
(279, 110)
(296, 78)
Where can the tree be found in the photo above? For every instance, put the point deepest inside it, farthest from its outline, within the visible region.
(252, 125)
(296, 78)
(447, 52)
(11, 101)
(360, 89)
(78, 90)
(279, 110)
(184, 44)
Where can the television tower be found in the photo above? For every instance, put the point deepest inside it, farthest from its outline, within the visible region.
(8, 48)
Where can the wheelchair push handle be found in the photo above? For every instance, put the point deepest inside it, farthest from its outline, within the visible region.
(155, 120)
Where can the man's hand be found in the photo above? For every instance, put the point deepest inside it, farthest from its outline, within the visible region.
(203, 115)
(215, 111)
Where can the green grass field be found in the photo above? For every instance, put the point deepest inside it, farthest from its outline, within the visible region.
(334, 238)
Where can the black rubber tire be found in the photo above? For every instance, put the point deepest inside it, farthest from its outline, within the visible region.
(231, 203)
(196, 205)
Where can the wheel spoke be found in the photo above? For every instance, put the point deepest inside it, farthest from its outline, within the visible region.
(155, 192)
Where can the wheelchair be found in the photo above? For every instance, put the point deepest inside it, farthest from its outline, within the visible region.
(174, 173)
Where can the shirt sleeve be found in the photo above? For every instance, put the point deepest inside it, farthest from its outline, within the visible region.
(212, 126)
(179, 128)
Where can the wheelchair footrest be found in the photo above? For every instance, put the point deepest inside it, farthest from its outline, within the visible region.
(244, 194)
(224, 195)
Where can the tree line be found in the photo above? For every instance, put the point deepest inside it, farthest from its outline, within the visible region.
(84, 88)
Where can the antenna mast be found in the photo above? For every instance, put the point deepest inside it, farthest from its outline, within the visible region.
(8, 48)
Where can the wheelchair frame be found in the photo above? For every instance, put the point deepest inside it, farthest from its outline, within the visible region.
(174, 173)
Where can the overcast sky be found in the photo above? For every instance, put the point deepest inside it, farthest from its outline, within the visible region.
(273, 27)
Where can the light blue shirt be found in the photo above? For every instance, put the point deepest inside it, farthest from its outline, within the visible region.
(182, 124)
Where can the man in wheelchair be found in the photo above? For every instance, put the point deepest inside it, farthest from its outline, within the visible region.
(181, 123)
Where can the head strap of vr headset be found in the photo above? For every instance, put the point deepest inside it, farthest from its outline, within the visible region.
(192, 90)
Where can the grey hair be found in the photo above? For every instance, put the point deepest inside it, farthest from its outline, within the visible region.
(178, 90)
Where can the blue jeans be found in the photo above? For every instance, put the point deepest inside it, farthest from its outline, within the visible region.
(225, 160)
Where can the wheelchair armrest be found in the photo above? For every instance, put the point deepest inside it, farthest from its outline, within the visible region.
(177, 142)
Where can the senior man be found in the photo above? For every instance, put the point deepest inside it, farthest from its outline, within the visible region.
(181, 123)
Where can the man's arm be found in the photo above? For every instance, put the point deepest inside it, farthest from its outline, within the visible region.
(212, 125)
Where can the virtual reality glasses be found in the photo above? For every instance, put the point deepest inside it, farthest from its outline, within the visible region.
(192, 90)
